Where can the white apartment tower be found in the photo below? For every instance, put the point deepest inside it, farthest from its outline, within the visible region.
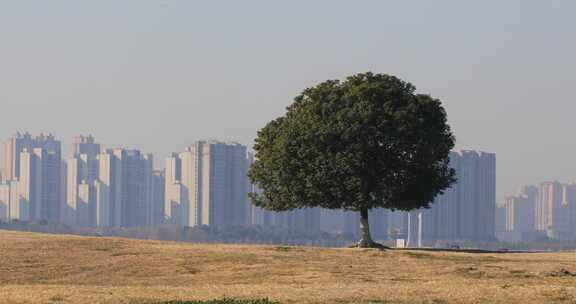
(16, 143)
(9, 201)
(39, 185)
(123, 188)
(563, 219)
(32, 168)
(207, 185)
(102, 215)
(4, 201)
(82, 169)
(549, 200)
(14, 201)
(520, 210)
(82, 172)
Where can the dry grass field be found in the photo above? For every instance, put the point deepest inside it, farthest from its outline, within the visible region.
(40, 268)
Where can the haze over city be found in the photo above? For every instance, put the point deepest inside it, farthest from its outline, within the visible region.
(157, 75)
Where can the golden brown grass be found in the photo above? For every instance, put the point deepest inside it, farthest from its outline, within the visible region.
(40, 268)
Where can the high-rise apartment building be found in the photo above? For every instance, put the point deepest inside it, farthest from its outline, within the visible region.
(14, 210)
(16, 143)
(207, 185)
(514, 205)
(32, 168)
(500, 219)
(570, 201)
(4, 201)
(477, 195)
(10, 201)
(563, 225)
(137, 178)
(123, 189)
(549, 200)
(82, 171)
(39, 185)
(85, 145)
(467, 210)
(157, 196)
(173, 198)
(116, 187)
(520, 210)
(545, 211)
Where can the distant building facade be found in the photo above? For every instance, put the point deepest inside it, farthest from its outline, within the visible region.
(207, 185)
(546, 211)
(124, 188)
(82, 172)
(555, 213)
(85, 145)
(32, 167)
(467, 210)
(520, 210)
(157, 194)
(4, 202)
(111, 187)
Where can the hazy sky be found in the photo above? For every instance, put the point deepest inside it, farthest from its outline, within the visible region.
(157, 75)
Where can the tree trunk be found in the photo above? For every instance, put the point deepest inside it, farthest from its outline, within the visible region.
(366, 240)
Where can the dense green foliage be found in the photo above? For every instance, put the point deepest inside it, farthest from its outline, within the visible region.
(358, 144)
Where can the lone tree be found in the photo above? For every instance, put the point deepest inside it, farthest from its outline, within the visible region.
(366, 142)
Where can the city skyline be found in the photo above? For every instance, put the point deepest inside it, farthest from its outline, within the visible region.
(69, 149)
(207, 184)
(535, 212)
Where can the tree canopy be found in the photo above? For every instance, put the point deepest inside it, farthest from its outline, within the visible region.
(367, 142)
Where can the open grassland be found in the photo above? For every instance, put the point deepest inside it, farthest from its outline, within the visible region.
(40, 268)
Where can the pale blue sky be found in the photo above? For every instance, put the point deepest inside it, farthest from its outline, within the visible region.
(157, 75)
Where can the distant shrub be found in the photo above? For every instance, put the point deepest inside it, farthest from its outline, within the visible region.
(223, 301)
